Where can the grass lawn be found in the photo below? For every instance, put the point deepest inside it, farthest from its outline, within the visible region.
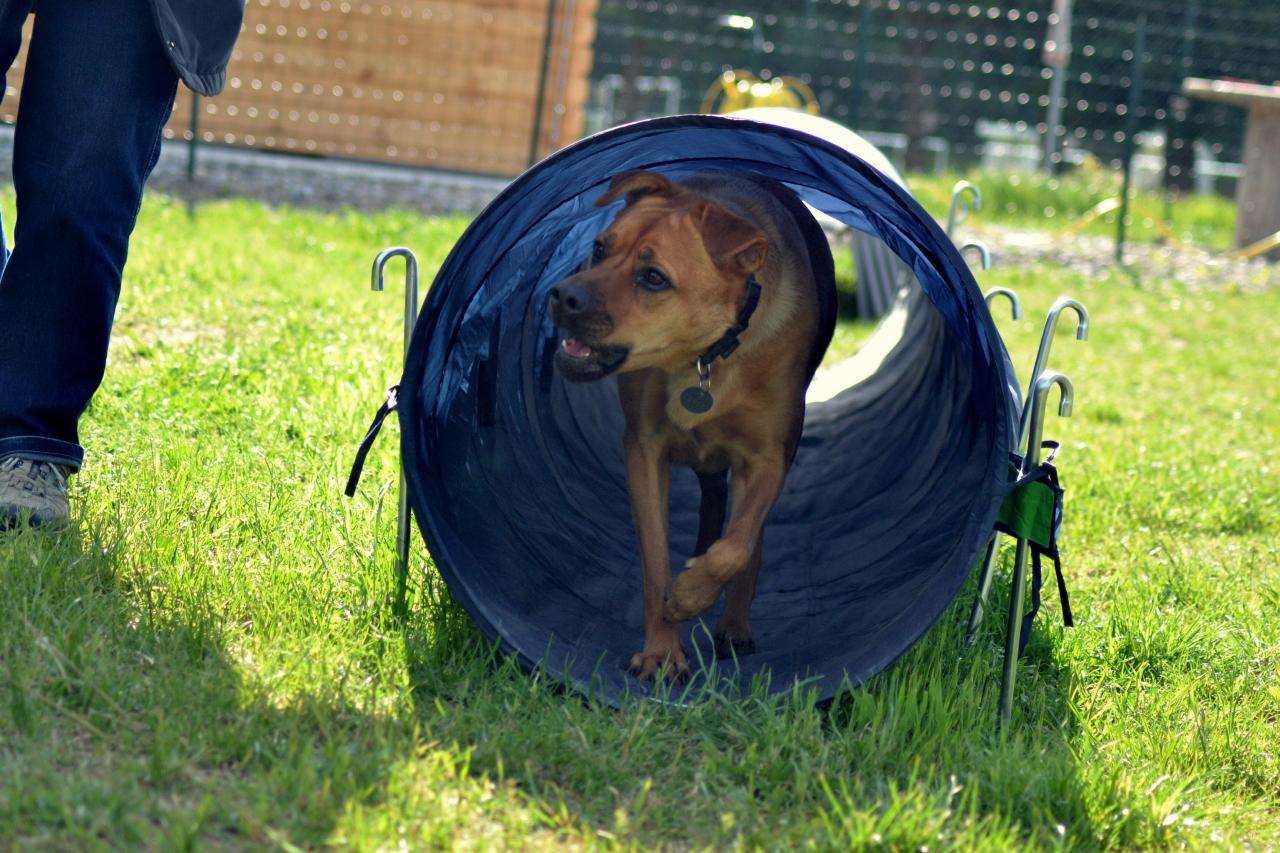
(209, 659)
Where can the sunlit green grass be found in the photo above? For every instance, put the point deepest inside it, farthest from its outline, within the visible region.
(1035, 201)
(209, 658)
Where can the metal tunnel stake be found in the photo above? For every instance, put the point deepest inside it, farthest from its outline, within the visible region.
(403, 513)
(1046, 344)
(961, 206)
(989, 556)
(1014, 303)
(1017, 599)
(984, 254)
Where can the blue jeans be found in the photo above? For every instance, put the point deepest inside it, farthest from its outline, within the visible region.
(96, 94)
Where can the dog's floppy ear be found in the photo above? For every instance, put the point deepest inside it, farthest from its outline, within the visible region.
(732, 241)
(635, 185)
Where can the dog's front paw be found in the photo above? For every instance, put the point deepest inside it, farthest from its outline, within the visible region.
(691, 593)
(668, 661)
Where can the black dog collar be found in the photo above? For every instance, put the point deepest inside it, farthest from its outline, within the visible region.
(697, 399)
(729, 340)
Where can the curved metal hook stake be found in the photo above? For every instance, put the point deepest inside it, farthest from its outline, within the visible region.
(1014, 302)
(1082, 315)
(987, 562)
(410, 286)
(1040, 388)
(1046, 344)
(1039, 396)
(984, 254)
(410, 320)
(960, 211)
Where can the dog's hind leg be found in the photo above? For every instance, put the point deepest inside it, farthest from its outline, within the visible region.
(733, 632)
(711, 509)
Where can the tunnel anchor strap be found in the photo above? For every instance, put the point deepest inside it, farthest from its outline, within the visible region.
(1036, 582)
(388, 406)
(1032, 511)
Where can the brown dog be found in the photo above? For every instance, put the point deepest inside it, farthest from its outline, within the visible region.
(702, 296)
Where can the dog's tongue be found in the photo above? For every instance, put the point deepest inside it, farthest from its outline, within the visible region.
(575, 348)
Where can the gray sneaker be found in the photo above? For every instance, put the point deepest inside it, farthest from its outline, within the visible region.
(33, 491)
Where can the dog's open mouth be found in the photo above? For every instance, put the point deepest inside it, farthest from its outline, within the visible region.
(575, 348)
(580, 362)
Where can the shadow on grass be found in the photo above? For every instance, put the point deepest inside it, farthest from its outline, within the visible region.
(126, 722)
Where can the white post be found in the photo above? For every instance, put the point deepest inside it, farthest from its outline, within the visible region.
(1056, 56)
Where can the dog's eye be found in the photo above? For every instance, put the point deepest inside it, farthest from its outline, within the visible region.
(597, 252)
(652, 279)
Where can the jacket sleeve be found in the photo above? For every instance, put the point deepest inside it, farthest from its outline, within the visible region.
(198, 36)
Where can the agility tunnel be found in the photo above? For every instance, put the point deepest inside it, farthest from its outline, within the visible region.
(516, 478)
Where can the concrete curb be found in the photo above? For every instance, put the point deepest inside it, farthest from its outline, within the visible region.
(301, 181)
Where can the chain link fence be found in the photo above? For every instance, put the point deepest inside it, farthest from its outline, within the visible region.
(949, 85)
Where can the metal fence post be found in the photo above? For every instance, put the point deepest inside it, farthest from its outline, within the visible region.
(194, 142)
(1056, 58)
(860, 69)
(541, 95)
(1131, 131)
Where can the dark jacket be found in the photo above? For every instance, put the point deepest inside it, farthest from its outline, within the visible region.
(198, 36)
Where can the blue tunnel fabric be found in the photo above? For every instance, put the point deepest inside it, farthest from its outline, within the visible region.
(516, 478)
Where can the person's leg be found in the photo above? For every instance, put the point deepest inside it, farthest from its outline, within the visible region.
(97, 91)
(13, 14)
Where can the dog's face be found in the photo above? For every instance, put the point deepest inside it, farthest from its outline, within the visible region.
(664, 281)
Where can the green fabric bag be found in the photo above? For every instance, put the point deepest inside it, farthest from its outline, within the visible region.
(1032, 511)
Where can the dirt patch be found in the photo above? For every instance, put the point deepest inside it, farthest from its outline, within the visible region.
(1146, 264)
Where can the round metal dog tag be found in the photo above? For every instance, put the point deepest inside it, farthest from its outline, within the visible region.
(696, 400)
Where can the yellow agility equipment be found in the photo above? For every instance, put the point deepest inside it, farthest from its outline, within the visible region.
(739, 90)
(1253, 250)
(1098, 211)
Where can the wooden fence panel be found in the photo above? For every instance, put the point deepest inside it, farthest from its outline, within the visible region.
(450, 84)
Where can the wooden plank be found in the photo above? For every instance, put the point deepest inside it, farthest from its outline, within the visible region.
(1258, 190)
(1242, 93)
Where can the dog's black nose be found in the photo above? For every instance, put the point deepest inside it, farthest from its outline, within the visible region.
(571, 298)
